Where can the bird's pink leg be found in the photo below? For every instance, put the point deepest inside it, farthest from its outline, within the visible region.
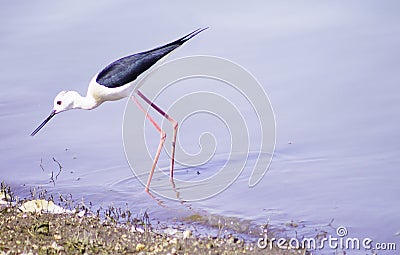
(174, 124)
(162, 133)
(160, 145)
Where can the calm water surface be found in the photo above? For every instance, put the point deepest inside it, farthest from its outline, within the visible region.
(330, 70)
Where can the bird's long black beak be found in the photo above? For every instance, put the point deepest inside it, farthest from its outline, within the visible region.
(44, 123)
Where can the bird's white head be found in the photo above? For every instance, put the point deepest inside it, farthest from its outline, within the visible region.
(65, 100)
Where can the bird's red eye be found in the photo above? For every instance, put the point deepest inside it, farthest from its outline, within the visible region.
(59, 102)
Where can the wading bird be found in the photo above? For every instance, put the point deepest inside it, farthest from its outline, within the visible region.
(117, 81)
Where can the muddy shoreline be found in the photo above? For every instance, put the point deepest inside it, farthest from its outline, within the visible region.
(32, 227)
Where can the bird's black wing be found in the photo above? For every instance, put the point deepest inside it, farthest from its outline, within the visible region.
(127, 69)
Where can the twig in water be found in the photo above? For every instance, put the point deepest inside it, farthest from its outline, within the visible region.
(59, 165)
(41, 164)
(52, 178)
(330, 223)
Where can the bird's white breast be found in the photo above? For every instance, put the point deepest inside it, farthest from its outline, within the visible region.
(102, 93)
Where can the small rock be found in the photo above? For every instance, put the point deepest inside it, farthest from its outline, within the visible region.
(170, 231)
(81, 214)
(140, 230)
(187, 234)
(292, 224)
(41, 205)
(173, 241)
(140, 246)
(57, 247)
(173, 250)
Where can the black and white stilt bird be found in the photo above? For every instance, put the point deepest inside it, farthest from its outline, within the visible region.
(117, 81)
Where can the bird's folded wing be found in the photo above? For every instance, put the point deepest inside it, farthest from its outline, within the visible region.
(127, 69)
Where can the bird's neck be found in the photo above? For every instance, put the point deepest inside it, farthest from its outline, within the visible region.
(85, 103)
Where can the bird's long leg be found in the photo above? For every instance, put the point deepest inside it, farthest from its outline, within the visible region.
(174, 124)
(160, 145)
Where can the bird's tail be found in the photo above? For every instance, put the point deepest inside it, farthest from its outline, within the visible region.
(183, 39)
(191, 35)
